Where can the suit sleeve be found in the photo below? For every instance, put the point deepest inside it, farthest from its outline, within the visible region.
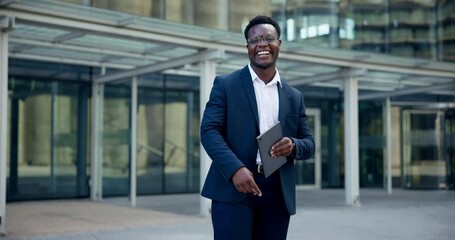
(213, 128)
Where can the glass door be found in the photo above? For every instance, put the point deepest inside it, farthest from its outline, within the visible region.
(308, 172)
(424, 165)
(450, 146)
(48, 141)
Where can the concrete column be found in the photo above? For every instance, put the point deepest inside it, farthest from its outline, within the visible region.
(212, 13)
(351, 141)
(188, 12)
(158, 9)
(173, 10)
(240, 12)
(38, 132)
(208, 74)
(137, 7)
(388, 148)
(175, 136)
(62, 128)
(3, 121)
(96, 177)
(133, 142)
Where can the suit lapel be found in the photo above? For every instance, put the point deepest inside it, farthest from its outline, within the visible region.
(249, 89)
(282, 105)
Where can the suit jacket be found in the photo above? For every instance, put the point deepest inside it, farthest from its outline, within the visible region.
(229, 128)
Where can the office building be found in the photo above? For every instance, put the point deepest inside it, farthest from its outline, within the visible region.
(103, 98)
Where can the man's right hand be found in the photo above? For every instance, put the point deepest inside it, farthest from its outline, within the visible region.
(244, 182)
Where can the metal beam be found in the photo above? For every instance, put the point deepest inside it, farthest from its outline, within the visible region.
(145, 32)
(198, 57)
(68, 36)
(97, 49)
(69, 61)
(328, 77)
(408, 91)
(126, 21)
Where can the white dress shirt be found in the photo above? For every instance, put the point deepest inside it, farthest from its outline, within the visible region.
(267, 100)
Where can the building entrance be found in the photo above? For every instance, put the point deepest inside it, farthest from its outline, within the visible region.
(48, 140)
(308, 172)
(449, 130)
(427, 149)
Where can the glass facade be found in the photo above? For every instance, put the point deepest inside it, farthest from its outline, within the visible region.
(409, 28)
(50, 124)
(48, 135)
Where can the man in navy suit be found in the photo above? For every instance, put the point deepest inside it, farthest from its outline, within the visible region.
(242, 105)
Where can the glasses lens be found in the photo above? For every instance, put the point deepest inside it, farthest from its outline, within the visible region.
(270, 38)
(254, 40)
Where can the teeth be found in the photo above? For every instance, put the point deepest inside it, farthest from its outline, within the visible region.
(263, 53)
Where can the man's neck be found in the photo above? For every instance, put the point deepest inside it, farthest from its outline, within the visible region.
(265, 74)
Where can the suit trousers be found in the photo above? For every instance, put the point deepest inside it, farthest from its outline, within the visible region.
(261, 218)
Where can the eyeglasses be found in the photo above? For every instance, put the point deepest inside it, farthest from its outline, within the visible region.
(269, 38)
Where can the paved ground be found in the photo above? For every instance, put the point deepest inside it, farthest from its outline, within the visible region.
(421, 215)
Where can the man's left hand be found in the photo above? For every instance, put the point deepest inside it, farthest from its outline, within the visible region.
(283, 147)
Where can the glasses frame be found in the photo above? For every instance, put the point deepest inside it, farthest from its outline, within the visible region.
(264, 38)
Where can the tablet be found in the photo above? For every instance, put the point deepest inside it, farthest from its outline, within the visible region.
(265, 142)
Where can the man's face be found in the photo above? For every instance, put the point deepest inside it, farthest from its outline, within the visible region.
(263, 53)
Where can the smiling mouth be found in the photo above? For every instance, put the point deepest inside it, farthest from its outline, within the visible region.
(263, 53)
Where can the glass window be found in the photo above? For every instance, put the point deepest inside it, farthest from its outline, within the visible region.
(176, 141)
(116, 139)
(423, 160)
(150, 152)
(168, 136)
(47, 149)
(449, 129)
(371, 144)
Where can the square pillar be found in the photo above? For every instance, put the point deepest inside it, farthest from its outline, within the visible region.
(5, 23)
(208, 74)
(351, 141)
(388, 148)
(96, 176)
(133, 142)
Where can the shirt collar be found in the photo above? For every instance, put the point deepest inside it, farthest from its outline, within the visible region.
(276, 79)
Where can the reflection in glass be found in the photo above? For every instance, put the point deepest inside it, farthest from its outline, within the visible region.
(423, 161)
(305, 170)
(168, 136)
(409, 28)
(450, 146)
(371, 144)
(150, 152)
(116, 135)
(44, 160)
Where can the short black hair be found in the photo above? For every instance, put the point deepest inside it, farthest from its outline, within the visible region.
(261, 20)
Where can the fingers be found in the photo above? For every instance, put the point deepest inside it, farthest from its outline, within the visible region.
(244, 182)
(255, 189)
(250, 188)
(281, 148)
